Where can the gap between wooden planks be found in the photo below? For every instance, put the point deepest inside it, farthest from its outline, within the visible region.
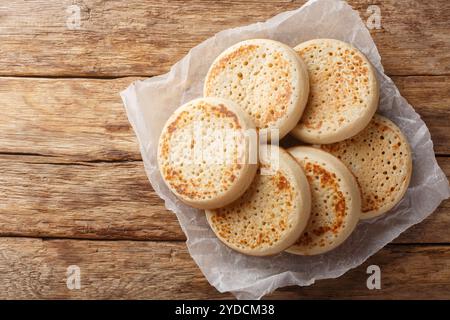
(120, 38)
(35, 268)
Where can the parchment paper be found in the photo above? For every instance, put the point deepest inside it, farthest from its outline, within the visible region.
(149, 103)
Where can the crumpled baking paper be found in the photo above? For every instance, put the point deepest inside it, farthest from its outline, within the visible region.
(149, 104)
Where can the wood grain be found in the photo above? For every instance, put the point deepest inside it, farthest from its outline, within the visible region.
(407, 272)
(90, 200)
(70, 165)
(73, 119)
(430, 96)
(84, 119)
(115, 201)
(122, 38)
(34, 268)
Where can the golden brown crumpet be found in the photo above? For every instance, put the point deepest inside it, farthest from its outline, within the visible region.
(344, 91)
(266, 78)
(335, 202)
(271, 214)
(203, 152)
(380, 158)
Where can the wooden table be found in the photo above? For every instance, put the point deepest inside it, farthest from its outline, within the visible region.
(72, 184)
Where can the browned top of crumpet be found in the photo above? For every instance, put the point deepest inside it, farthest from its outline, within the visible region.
(380, 158)
(343, 91)
(187, 175)
(270, 215)
(261, 216)
(328, 208)
(264, 77)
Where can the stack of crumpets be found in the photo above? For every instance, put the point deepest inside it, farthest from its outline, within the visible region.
(221, 153)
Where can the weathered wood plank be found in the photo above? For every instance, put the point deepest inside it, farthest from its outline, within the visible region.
(93, 200)
(407, 272)
(84, 119)
(427, 95)
(33, 268)
(74, 119)
(118, 38)
(115, 201)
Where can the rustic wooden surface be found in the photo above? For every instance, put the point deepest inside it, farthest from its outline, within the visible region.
(72, 185)
(36, 268)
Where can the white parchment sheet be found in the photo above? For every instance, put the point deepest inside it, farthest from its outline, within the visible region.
(149, 104)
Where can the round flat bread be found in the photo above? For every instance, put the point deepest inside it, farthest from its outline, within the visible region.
(344, 91)
(335, 201)
(380, 158)
(271, 214)
(266, 78)
(204, 152)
